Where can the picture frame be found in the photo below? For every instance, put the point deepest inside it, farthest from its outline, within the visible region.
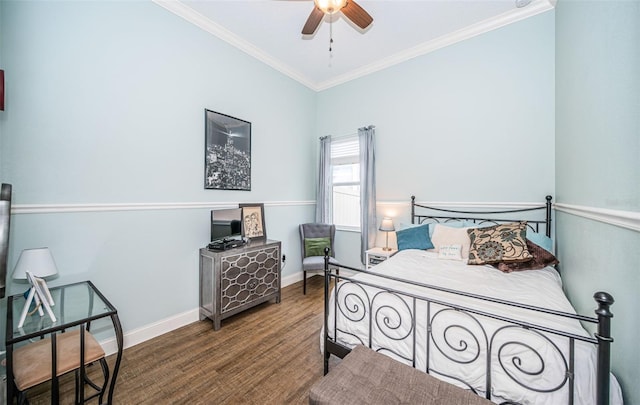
(40, 295)
(253, 225)
(227, 152)
(42, 290)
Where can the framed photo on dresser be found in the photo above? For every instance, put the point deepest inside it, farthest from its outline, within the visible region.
(253, 226)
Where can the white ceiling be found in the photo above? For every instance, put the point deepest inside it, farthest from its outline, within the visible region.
(270, 30)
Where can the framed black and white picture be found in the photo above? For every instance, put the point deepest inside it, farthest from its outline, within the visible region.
(227, 155)
(253, 221)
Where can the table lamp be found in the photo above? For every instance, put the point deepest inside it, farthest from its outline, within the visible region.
(387, 226)
(34, 265)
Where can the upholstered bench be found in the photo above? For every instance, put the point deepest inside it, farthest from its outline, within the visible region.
(367, 377)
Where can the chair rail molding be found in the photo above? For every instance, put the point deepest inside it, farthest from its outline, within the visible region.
(623, 219)
(106, 207)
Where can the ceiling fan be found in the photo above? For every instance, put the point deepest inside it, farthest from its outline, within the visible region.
(349, 8)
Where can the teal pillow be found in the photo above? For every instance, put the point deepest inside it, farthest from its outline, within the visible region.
(416, 237)
(315, 246)
(405, 226)
(540, 239)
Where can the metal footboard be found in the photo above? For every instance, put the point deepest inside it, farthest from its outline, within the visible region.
(353, 299)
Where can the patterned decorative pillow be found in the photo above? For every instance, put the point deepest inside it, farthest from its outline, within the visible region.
(499, 243)
(541, 259)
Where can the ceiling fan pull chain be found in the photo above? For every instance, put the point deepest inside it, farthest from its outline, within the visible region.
(330, 42)
(330, 36)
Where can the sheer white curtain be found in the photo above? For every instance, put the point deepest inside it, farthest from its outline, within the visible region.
(324, 195)
(367, 189)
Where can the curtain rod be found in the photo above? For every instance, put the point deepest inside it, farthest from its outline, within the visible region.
(347, 135)
(339, 137)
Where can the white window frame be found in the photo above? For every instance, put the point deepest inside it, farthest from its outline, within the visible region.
(345, 151)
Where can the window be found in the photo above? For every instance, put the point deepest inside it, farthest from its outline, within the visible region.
(345, 166)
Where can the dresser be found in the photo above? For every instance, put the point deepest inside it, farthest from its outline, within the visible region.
(237, 279)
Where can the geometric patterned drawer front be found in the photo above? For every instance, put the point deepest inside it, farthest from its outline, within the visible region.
(248, 276)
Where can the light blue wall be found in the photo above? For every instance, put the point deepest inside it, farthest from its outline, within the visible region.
(105, 104)
(469, 122)
(598, 164)
(598, 103)
(121, 90)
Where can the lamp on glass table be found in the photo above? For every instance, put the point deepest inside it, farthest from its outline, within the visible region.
(387, 226)
(33, 265)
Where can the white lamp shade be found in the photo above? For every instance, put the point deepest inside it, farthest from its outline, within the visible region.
(38, 262)
(387, 225)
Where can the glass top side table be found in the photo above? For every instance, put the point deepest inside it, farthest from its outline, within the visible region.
(75, 304)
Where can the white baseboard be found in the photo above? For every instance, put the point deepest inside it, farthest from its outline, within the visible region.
(292, 279)
(144, 333)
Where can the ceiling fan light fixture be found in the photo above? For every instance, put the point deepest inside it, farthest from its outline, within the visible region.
(330, 6)
(349, 8)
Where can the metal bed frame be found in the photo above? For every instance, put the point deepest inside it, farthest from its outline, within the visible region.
(602, 338)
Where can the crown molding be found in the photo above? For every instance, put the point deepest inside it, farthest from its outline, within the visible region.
(623, 219)
(189, 14)
(518, 14)
(186, 12)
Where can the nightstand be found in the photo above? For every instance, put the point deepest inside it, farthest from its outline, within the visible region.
(377, 255)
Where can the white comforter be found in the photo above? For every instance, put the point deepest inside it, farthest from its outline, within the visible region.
(459, 342)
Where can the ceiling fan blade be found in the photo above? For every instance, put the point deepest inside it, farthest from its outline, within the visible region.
(356, 14)
(313, 21)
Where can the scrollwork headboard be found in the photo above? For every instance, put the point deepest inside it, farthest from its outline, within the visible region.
(481, 216)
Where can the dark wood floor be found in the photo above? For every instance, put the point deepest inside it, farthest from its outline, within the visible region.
(267, 355)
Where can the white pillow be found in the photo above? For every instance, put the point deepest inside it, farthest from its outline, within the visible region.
(444, 235)
(451, 224)
(450, 252)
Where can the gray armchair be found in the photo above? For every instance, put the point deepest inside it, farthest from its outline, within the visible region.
(316, 263)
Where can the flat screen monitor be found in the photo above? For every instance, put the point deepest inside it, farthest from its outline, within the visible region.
(226, 224)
